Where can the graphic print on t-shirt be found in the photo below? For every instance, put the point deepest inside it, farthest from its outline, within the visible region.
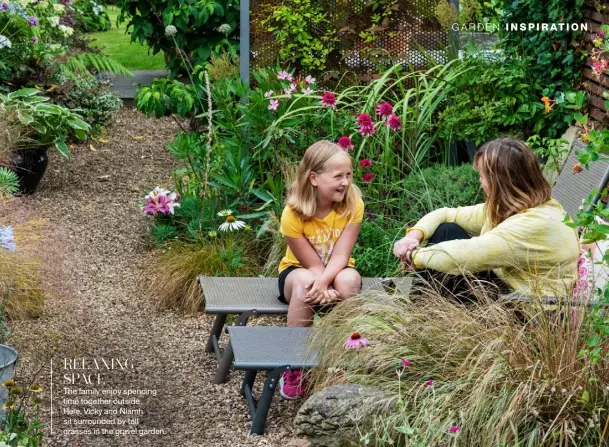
(323, 242)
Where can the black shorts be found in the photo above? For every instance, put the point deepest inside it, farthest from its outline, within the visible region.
(282, 276)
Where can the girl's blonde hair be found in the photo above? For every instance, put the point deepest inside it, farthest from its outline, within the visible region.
(302, 197)
(515, 181)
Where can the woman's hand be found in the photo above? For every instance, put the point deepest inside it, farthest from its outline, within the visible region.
(404, 245)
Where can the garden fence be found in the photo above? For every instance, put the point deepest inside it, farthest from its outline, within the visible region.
(594, 85)
(412, 26)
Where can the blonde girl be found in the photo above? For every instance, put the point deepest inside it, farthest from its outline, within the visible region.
(320, 222)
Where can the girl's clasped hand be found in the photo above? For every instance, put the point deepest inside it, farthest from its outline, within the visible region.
(320, 292)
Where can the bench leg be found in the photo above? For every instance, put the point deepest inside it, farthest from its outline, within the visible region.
(216, 331)
(224, 365)
(272, 380)
(250, 378)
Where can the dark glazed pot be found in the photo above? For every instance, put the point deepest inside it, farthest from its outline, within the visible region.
(30, 165)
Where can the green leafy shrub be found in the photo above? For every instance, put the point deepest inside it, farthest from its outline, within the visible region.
(200, 28)
(93, 99)
(439, 186)
(303, 32)
(503, 95)
(373, 252)
(91, 16)
(556, 56)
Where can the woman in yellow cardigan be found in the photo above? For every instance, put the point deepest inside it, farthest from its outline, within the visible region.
(516, 239)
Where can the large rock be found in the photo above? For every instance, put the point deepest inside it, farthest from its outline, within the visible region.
(329, 418)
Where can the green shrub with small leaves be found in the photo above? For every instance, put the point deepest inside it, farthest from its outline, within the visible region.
(93, 99)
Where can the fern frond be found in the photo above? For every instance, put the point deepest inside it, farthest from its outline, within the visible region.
(84, 63)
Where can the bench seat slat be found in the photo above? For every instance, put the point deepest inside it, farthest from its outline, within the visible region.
(270, 347)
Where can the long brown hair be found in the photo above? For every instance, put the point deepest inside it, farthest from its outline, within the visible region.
(515, 181)
(302, 197)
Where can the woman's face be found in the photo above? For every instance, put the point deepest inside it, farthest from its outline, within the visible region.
(333, 183)
(483, 181)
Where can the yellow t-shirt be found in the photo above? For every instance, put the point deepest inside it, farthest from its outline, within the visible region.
(321, 233)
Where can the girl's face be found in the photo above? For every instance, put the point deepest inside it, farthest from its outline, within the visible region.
(333, 182)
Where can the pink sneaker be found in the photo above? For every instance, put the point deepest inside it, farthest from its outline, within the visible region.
(290, 385)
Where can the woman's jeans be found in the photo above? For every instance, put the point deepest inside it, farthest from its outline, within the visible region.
(458, 285)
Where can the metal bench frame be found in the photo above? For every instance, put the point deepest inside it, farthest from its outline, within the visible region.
(225, 357)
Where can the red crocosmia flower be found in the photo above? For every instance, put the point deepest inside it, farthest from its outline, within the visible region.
(328, 100)
(345, 143)
(366, 163)
(367, 178)
(384, 109)
(394, 123)
(364, 118)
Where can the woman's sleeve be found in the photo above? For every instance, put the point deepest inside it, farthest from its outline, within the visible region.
(494, 249)
(291, 225)
(470, 218)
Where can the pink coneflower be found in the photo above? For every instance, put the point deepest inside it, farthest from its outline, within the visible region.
(269, 94)
(364, 118)
(345, 143)
(367, 178)
(394, 123)
(365, 163)
(429, 383)
(328, 100)
(455, 429)
(405, 363)
(384, 110)
(284, 75)
(274, 104)
(356, 341)
(367, 129)
(309, 79)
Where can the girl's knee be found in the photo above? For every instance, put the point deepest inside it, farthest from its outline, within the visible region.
(348, 282)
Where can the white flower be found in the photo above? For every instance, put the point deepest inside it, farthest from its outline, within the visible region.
(59, 7)
(4, 42)
(291, 89)
(269, 94)
(307, 91)
(171, 31)
(54, 21)
(231, 223)
(309, 79)
(274, 104)
(225, 28)
(66, 30)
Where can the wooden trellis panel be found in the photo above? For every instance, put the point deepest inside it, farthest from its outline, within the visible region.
(593, 84)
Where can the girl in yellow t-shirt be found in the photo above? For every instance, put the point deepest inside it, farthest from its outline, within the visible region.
(320, 222)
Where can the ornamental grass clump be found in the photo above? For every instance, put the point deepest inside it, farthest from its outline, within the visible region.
(477, 375)
(172, 278)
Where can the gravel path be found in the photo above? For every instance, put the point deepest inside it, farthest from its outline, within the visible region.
(95, 259)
